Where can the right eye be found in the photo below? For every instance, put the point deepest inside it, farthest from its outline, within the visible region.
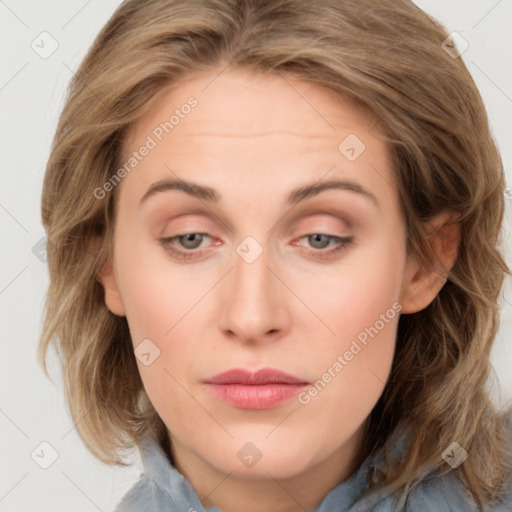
(189, 240)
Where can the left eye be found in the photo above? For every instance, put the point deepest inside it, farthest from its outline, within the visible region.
(320, 239)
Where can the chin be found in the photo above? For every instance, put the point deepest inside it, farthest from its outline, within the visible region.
(261, 460)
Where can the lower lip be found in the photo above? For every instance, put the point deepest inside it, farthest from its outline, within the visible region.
(262, 396)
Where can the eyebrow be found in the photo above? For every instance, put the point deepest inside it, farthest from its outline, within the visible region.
(297, 195)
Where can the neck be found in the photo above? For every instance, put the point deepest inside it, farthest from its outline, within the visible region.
(299, 492)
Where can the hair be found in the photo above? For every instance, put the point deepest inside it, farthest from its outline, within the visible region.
(385, 58)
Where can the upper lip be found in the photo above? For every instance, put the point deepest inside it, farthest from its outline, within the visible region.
(248, 377)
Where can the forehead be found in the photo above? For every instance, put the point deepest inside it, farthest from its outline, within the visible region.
(263, 129)
(240, 102)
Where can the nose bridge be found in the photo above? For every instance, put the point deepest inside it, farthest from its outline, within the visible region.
(253, 304)
(252, 278)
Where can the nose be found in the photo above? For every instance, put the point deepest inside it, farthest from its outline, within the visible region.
(253, 298)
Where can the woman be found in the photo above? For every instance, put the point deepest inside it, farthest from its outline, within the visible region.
(326, 343)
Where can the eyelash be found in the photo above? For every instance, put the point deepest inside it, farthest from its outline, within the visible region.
(343, 243)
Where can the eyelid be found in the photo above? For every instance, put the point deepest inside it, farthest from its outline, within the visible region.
(307, 212)
(307, 223)
(315, 219)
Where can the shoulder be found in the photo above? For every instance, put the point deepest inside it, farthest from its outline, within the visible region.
(144, 495)
(439, 493)
(446, 493)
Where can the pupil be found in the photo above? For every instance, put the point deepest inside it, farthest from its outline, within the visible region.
(190, 238)
(318, 238)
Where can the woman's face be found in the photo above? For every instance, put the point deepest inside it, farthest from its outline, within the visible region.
(273, 275)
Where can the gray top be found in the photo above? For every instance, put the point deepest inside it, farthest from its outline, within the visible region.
(163, 488)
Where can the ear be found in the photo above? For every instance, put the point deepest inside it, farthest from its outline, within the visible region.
(112, 295)
(108, 280)
(420, 286)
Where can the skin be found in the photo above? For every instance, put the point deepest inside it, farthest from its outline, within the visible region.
(253, 138)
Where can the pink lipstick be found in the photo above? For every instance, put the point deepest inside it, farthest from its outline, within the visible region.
(263, 389)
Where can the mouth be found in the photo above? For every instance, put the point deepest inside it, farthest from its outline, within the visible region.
(264, 389)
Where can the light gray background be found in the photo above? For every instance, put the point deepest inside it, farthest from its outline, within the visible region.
(32, 409)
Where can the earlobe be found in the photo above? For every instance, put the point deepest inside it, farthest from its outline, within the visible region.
(111, 291)
(107, 278)
(420, 287)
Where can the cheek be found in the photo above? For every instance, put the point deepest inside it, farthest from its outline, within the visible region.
(359, 335)
(359, 310)
(164, 309)
(352, 295)
(350, 367)
(156, 293)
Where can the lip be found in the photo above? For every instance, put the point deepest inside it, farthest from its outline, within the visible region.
(263, 389)
(263, 376)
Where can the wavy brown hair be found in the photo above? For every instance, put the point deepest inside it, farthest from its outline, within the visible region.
(384, 57)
